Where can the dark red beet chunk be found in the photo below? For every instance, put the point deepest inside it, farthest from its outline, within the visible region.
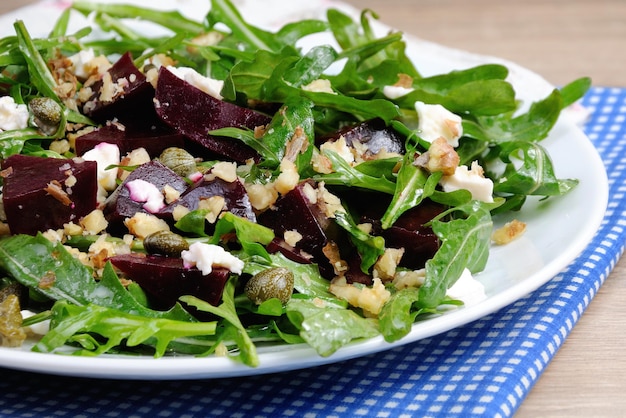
(193, 113)
(294, 211)
(235, 197)
(37, 195)
(120, 206)
(165, 279)
(153, 140)
(133, 106)
(373, 133)
(419, 242)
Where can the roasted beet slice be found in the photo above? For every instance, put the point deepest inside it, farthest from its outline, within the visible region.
(235, 197)
(154, 140)
(419, 242)
(45, 193)
(120, 205)
(193, 113)
(374, 134)
(124, 94)
(295, 212)
(165, 279)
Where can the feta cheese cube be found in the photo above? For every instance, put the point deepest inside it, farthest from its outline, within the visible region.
(472, 179)
(436, 121)
(105, 155)
(206, 256)
(12, 115)
(208, 85)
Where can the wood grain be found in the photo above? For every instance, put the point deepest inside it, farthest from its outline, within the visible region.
(561, 40)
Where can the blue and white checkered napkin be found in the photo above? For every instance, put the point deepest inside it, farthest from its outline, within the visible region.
(486, 367)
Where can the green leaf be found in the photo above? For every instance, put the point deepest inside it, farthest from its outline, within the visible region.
(532, 126)
(40, 74)
(327, 328)
(535, 176)
(311, 66)
(345, 175)
(245, 229)
(412, 186)
(71, 322)
(51, 270)
(223, 11)
(172, 20)
(464, 244)
(235, 330)
(397, 315)
(575, 90)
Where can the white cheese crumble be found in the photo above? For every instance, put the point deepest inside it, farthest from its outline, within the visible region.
(12, 115)
(472, 179)
(81, 63)
(105, 155)
(436, 121)
(394, 92)
(147, 193)
(208, 85)
(206, 256)
(467, 289)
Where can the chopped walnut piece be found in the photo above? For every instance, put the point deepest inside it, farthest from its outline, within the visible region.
(509, 232)
(441, 156)
(331, 251)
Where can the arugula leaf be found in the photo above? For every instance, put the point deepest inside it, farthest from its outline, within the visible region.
(465, 243)
(397, 315)
(535, 176)
(412, 186)
(311, 66)
(51, 270)
(532, 126)
(72, 323)
(345, 175)
(234, 329)
(246, 230)
(327, 327)
(172, 20)
(478, 91)
(223, 11)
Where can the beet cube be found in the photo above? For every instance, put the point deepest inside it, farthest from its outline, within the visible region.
(419, 242)
(45, 193)
(235, 197)
(165, 279)
(131, 102)
(294, 211)
(193, 113)
(153, 140)
(120, 205)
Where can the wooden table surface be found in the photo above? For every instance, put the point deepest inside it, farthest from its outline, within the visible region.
(561, 40)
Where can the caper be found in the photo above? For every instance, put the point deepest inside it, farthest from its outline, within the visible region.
(46, 114)
(178, 160)
(165, 243)
(275, 282)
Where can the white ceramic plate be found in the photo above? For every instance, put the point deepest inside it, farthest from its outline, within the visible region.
(557, 229)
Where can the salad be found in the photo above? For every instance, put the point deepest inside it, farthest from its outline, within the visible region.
(217, 187)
